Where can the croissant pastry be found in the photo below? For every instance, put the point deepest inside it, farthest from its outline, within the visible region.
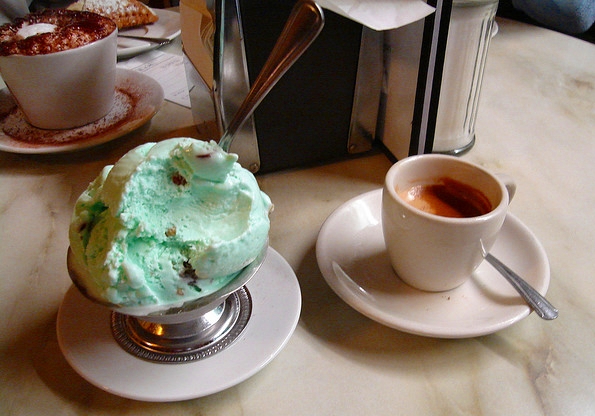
(126, 13)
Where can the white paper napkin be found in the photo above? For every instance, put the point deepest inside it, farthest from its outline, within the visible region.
(379, 14)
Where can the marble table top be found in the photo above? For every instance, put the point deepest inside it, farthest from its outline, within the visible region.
(536, 122)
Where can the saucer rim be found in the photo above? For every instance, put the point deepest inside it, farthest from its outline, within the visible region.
(276, 310)
(367, 308)
(143, 110)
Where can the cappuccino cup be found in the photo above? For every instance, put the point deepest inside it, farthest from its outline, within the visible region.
(440, 215)
(60, 67)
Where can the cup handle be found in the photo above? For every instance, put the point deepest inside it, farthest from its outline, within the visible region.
(509, 183)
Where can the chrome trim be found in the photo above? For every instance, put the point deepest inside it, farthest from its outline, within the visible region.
(231, 82)
(367, 92)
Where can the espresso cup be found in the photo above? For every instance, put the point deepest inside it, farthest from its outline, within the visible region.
(64, 89)
(440, 215)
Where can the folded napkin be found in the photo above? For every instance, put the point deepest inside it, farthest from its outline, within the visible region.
(379, 14)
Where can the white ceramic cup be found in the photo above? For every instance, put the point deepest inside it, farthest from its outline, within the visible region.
(65, 89)
(433, 252)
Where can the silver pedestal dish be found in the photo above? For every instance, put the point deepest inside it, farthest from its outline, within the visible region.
(182, 333)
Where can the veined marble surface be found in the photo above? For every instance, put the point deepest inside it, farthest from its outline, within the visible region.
(536, 122)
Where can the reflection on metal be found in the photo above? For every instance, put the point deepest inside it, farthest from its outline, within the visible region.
(231, 83)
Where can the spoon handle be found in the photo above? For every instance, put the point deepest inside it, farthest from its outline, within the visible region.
(160, 41)
(539, 304)
(303, 26)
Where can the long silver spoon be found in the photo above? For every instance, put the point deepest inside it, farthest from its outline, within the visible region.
(540, 305)
(303, 26)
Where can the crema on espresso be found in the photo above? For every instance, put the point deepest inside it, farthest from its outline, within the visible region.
(447, 198)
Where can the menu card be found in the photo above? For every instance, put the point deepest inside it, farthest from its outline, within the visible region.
(167, 69)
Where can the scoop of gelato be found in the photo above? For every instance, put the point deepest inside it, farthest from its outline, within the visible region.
(169, 222)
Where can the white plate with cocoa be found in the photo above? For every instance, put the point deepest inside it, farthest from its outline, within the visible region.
(138, 98)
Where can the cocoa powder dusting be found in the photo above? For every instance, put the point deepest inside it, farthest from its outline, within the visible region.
(73, 29)
(16, 126)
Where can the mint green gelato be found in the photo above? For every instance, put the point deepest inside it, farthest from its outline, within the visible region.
(169, 222)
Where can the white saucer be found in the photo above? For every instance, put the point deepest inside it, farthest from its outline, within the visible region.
(353, 260)
(167, 27)
(138, 98)
(85, 338)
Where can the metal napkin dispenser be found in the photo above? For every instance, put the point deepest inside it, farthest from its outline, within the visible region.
(353, 87)
(324, 108)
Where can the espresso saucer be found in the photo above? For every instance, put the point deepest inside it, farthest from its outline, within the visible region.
(138, 98)
(86, 340)
(353, 260)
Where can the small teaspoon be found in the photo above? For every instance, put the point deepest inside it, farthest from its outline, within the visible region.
(540, 304)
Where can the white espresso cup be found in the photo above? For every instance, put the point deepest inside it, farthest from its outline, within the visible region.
(440, 215)
(65, 89)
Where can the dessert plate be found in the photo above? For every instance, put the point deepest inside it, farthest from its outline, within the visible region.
(138, 97)
(353, 260)
(85, 338)
(167, 27)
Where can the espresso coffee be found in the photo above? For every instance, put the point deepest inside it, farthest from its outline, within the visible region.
(53, 30)
(447, 198)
